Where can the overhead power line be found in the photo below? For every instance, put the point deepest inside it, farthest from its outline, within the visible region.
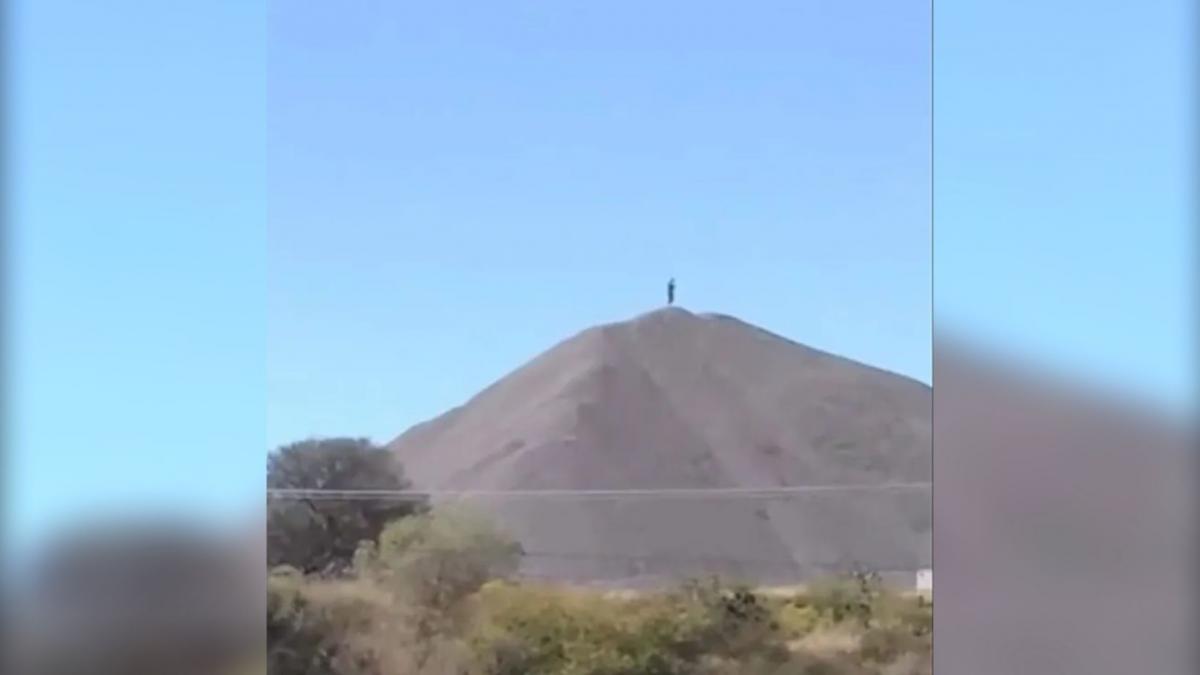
(585, 495)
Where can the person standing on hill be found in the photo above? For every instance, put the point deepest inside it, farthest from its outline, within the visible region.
(671, 291)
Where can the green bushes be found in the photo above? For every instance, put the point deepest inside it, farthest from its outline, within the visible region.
(430, 598)
(359, 627)
(320, 536)
(435, 560)
(853, 598)
(319, 626)
(527, 630)
(400, 612)
(561, 631)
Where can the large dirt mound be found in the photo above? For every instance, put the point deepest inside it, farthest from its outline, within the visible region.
(675, 400)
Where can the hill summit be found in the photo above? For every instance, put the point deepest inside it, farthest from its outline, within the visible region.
(672, 400)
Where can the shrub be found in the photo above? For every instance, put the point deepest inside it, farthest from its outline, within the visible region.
(883, 644)
(371, 626)
(916, 614)
(312, 627)
(797, 620)
(851, 598)
(734, 621)
(321, 536)
(436, 559)
(536, 631)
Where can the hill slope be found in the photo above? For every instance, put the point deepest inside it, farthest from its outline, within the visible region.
(672, 399)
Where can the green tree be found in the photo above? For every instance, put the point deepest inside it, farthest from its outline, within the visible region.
(320, 535)
(430, 563)
(437, 558)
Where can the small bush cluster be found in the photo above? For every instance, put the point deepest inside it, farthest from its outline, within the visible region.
(366, 588)
(432, 595)
(372, 625)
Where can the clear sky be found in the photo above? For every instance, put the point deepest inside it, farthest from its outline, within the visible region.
(454, 187)
(1065, 171)
(135, 261)
(438, 191)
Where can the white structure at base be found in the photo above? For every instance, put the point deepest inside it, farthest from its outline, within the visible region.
(925, 580)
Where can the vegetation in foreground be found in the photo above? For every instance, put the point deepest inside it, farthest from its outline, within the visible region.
(433, 597)
(432, 593)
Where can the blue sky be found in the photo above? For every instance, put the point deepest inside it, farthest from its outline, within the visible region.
(1065, 213)
(206, 260)
(454, 187)
(136, 298)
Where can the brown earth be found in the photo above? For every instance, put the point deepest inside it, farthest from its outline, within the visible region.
(676, 400)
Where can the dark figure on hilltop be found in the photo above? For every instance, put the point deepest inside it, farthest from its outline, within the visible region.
(671, 291)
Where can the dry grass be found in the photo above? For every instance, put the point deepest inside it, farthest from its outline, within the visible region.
(510, 628)
(834, 640)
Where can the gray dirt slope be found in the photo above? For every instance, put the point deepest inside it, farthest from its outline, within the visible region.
(672, 399)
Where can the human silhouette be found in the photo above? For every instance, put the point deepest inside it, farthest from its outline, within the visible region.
(671, 291)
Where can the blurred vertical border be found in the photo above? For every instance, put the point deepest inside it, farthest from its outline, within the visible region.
(1065, 449)
(147, 135)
